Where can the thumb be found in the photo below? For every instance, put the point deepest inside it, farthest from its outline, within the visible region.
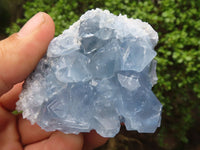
(20, 53)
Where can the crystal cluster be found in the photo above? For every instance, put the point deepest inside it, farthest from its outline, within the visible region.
(96, 75)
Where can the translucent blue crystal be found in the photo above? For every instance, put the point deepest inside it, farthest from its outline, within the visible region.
(96, 75)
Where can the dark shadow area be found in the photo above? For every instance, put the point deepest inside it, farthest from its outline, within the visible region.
(10, 10)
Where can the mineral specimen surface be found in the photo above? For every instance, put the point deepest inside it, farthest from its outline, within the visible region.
(96, 75)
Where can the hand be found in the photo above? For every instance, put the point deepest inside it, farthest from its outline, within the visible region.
(19, 54)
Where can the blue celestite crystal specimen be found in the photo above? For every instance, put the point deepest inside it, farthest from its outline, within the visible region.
(96, 75)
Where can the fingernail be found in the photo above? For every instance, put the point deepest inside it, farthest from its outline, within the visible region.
(32, 24)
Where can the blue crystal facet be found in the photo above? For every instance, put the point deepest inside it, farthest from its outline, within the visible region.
(96, 75)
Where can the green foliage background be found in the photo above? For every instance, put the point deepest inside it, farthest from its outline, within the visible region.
(178, 25)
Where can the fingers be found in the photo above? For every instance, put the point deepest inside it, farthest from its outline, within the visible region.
(9, 139)
(31, 133)
(93, 140)
(59, 141)
(20, 53)
(9, 99)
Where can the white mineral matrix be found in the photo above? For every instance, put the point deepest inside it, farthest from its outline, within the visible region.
(96, 75)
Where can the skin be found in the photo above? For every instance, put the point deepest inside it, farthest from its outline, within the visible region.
(19, 55)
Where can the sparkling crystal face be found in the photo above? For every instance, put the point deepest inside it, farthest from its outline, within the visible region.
(96, 75)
